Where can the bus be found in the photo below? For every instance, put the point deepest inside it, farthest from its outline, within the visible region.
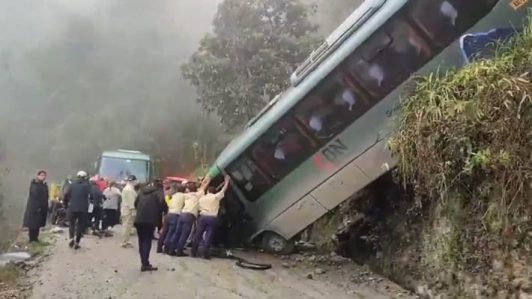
(118, 165)
(325, 137)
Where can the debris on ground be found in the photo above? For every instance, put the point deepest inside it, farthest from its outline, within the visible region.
(57, 230)
(13, 257)
(319, 271)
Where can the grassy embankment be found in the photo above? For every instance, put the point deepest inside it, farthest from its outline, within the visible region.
(465, 147)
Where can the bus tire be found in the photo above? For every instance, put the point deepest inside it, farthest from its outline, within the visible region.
(276, 244)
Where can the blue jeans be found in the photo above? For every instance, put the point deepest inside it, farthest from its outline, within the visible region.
(170, 225)
(184, 226)
(207, 225)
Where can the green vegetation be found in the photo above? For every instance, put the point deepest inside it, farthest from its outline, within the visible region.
(248, 60)
(9, 274)
(464, 145)
(38, 249)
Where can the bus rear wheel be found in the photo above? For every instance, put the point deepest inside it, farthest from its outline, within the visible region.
(276, 244)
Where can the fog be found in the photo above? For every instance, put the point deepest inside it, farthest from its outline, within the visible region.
(81, 76)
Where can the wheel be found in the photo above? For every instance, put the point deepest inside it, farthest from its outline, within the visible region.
(276, 244)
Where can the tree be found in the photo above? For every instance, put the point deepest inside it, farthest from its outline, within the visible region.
(248, 59)
(331, 13)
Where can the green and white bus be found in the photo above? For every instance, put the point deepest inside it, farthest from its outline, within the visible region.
(325, 137)
(118, 165)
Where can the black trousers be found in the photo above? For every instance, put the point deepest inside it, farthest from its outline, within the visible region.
(34, 234)
(77, 223)
(98, 215)
(145, 236)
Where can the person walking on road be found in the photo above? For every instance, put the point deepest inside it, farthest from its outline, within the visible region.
(129, 195)
(150, 206)
(37, 206)
(77, 203)
(209, 205)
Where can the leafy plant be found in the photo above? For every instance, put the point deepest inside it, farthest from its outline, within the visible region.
(464, 143)
(255, 46)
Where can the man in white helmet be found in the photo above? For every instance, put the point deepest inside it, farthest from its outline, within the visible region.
(77, 203)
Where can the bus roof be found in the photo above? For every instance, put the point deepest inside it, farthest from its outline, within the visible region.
(296, 92)
(126, 154)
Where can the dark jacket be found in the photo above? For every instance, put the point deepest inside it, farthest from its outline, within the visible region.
(96, 196)
(150, 206)
(37, 206)
(77, 196)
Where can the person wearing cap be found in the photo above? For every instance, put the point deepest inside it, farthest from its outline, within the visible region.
(129, 195)
(209, 204)
(37, 206)
(77, 203)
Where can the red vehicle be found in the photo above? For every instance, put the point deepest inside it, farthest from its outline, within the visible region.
(173, 180)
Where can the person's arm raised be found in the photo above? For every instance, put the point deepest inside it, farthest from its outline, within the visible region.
(204, 184)
(226, 184)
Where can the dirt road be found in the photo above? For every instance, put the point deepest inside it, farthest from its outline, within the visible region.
(101, 269)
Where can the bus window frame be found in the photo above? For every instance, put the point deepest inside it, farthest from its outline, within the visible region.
(366, 93)
(340, 76)
(241, 187)
(301, 130)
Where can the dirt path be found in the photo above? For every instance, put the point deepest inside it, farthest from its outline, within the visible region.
(101, 269)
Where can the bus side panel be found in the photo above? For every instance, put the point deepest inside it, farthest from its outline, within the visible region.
(358, 139)
(376, 161)
(297, 217)
(284, 195)
(341, 186)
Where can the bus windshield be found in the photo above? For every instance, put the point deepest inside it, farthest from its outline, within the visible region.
(119, 169)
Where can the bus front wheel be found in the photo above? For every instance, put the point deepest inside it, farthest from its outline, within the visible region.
(276, 244)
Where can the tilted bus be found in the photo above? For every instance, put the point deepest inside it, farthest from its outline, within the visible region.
(325, 137)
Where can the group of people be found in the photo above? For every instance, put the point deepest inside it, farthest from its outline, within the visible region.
(187, 207)
(180, 212)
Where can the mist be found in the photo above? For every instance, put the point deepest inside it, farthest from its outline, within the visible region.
(80, 77)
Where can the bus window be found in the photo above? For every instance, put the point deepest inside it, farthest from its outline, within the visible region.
(281, 149)
(393, 64)
(330, 109)
(445, 20)
(249, 179)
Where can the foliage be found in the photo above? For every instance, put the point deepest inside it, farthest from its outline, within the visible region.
(94, 85)
(464, 144)
(247, 61)
(9, 274)
(331, 13)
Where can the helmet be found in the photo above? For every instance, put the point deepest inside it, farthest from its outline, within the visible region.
(81, 174)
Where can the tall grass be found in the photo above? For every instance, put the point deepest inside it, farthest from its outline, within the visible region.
(464, 143)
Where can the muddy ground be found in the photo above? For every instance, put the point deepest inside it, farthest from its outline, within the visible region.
(102, 269)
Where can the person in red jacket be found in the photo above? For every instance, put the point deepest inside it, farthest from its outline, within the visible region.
(100, 182)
